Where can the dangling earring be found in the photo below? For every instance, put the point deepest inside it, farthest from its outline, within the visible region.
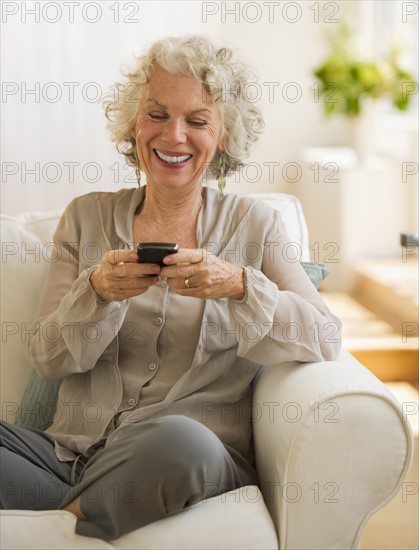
(221, 174)
(137, 167)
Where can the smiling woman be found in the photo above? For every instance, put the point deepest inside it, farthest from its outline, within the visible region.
(173, 337)
(216, 75)
(176, 137)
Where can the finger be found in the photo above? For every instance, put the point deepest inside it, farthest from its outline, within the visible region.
(176, 271)
(202, 292)
(129, 287)
(135, 270)
(119, 255)
(186, 256)
(203, 269)
(177, 284)
(135, 283)
(199, 277)
(132, 257)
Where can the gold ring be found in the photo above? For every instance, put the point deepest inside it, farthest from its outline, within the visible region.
(187, 282)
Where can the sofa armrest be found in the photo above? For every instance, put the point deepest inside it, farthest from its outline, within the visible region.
(332, 447)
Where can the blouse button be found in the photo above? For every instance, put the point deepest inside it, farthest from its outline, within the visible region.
(152, 366)
(131, 402)
(158, 320)
(163, 283)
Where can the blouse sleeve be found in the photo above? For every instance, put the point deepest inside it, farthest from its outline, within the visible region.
(72, 326)
(282, 316)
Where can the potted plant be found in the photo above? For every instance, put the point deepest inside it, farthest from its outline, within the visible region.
(350, 84)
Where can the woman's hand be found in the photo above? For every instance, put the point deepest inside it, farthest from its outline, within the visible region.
(119, 276)
(197, 273)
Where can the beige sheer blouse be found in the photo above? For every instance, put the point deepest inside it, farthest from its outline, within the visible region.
(161, 353)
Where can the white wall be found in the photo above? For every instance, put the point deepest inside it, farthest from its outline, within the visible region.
(285, 52)
(44, 135)
(37, 130)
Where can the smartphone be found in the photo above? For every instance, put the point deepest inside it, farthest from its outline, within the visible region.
(153, 253)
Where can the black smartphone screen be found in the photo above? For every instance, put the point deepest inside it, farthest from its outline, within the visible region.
(153, 253)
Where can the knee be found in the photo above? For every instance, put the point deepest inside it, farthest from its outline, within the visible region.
(176, 441)
(199, 464)
(182, 435)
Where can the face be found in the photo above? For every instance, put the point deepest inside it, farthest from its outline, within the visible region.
(178, 131)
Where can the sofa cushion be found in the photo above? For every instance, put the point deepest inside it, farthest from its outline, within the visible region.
(237, 519)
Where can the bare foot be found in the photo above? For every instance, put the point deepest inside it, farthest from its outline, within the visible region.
(74, 508)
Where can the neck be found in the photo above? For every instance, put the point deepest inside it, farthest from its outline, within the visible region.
(167, 206)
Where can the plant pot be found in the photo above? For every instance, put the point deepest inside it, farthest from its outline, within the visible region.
(362, 130)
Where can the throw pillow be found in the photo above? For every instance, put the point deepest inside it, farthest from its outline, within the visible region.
(39, 401)
(316, 272)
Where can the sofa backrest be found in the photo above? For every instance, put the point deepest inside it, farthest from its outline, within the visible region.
(27, 252)
(24, 265)
(293, 217)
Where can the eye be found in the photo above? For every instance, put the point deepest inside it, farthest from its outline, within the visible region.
(157, 116)
(197, 122)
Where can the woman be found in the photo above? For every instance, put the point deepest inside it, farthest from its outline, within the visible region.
(164, 356)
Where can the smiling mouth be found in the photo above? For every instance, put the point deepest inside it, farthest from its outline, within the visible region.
(172, 159)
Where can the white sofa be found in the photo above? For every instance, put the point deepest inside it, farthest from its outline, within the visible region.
(332, 446)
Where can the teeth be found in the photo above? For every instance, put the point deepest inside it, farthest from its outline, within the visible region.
(172, 160)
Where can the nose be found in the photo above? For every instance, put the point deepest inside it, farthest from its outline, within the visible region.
(174, 131)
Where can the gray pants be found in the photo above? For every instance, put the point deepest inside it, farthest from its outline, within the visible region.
(152, 469)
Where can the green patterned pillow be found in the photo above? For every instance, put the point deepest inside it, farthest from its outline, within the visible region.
(316, 272)
(39, 401)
